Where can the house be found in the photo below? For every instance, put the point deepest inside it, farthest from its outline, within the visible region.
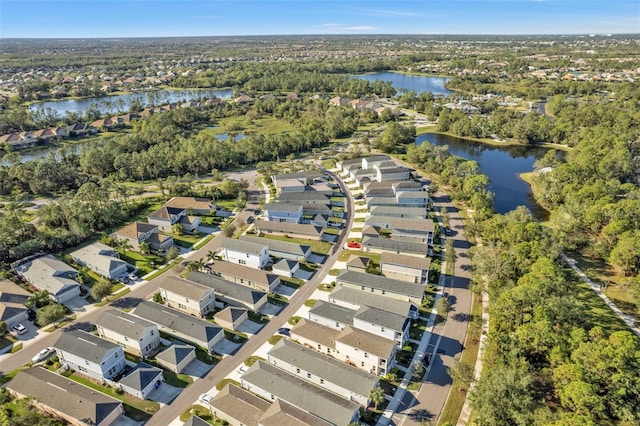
(273, 383)
(392, 173)
(254, 254)
(290, 185)
(282, 249)
(183, 326)
(339, 101)
(196, 421)
(304, 198)
(45, 272)
(331, 315)
(315, 336)
(285, 267)
(230, 292)
(355, 299)
(143, 380)
(418, 230)
(395, 245)
(195, 205)
(283, 212)
(238, 406)
(136, 335)
(374, 160)
(81, 129)
(406, 268)
(176, 357)
(231, 317)
(128, 118)
(388, 325)
(12, 302)
(398, 211)
(90, 355)
(412, 198)
(358, 263)
(293, 230)
(139, 232)
(166, 217)
(383, 286)
(102, 259)
(187, 296)
(346, 165)
(308, 177)
(324, 371)
(281, 413)
(365, 350)
(250, 277)
(77, 404)
(107, 123)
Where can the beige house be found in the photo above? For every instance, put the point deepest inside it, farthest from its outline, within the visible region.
(231, 317)
(187, 296)
(138, 232)
(195, 205)
(406, 268)
(176, 357)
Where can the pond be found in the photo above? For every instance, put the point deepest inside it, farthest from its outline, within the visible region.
(502, 165)
(405, 82)
(118, 104)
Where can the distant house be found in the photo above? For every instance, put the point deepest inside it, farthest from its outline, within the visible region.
(102, 259)
(358, 263)
(195, 205)
(293, 230)
(395, 245)
(417, 230)
(138, 232)
(355, 299)
(322, 370)
(303, 198)
(393, 173)
(108, 123)
(406, 268)
(308, 177)
(388, 325)
(12, 302)
(250, 277)
(285, 267)
(282, 249)
(81, 129)
(90, 355)
(143, 380)
(382, 286)
(282, 413)
(248, 253)
(231, 317)
(412, 198)
(283, 212)
(176, 357)
(273, 383)
(339, 101)
(331, 315)
(136, 335)
(230, 292)
(45, 272)
(187, 296)
(366, 350)
(290, 185)
(165, 217)
(77, 404)
(398, 211)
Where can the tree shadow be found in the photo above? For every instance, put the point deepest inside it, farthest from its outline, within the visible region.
(460, 317)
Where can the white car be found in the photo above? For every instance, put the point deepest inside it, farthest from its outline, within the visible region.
(19, 328)
(206, 398)
(242, 369)
(43, 354)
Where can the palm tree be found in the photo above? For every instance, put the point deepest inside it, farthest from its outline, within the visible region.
(124, 244)
(376, 396)
(38, 299)
(211, 255)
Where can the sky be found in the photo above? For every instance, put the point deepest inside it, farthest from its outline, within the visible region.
(156, 18)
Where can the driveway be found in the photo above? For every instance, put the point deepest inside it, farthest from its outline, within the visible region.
(165, 393)
(226, 347)
(250, 327)
(285, 290)
(207, 229)
(197, 368)
(316, 258)
(270, 309)
(77, 304)
(303, 275)
(123, 420)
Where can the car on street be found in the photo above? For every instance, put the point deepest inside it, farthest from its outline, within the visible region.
(19, 328)
(447, 231)
(284, 331)
(206, 398)
(43, 354)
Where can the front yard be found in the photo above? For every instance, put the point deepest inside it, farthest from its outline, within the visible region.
(319, 247)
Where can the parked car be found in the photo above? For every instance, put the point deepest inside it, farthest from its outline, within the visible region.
(19, 328)
(43, 354)
(206, 398)
(284, 331)
(447, 231)
(353, 244)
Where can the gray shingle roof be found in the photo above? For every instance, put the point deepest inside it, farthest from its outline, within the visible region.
(185, 288)
(227, 288)
(320, 365)
(98, 254)
(285, 265)
(173, 319)
(242, 246)
(333, 312)
(64, 395)
(380, 317)
(282, 207)
(175, 353)
(406, 211)
(124, 323)
(48, 273)
(293, 197)
(280, 246)
(85, 345)
(12, 299)
(230, 314)
(362, 298)
(196, 421)
(300, 393)
(380, 282)
(282, 413)
(395, 245)
(294, 228)
(141, 377)
(245, 272)
(410, 261)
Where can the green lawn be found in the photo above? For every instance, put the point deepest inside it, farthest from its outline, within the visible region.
(145, 264)
(292, 282)
(294, 320)
(222, 383)
(320, 247)
(310, 303)
(274, 339)
(345, 254)
(137, 409)
(252, 359)
(186, 240)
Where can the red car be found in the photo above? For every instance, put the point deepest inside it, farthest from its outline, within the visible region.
(353, 244)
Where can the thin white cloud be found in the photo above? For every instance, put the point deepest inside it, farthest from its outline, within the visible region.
(392, 13)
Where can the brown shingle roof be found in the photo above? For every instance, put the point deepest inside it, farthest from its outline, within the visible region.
(316, 332)
(189, 203)
(365, 341)
(240, 404)
(410, 261)
(135, 229)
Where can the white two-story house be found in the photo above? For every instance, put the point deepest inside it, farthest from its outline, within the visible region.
(283, 212)
(138, 336)
(245, 253)
(90, 355)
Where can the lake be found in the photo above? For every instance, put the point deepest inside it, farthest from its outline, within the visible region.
(110, 104)
(502, 165)
(406, 82)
